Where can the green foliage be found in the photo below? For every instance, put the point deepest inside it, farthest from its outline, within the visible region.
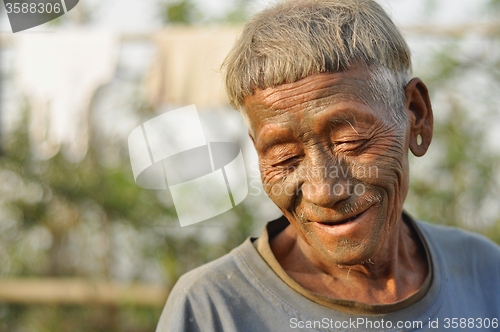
(50, 318)
(459, 184)
(240, 13)
(495, 4)
(90, 203)
(461, 180)
(183, 12)
(186, 12)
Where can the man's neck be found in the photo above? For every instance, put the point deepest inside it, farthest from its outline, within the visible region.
(394, 273)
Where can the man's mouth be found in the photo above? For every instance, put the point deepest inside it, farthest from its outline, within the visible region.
(341, 222)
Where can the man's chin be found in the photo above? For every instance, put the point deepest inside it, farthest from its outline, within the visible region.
(350, 242)
(347, 254)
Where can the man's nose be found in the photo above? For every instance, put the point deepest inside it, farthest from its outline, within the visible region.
(325, 184)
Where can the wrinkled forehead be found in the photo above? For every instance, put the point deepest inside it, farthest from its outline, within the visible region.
(315, 92)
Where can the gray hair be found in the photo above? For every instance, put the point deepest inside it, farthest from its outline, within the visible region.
(296, 39)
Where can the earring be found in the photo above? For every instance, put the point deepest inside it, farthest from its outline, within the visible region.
(419, 139)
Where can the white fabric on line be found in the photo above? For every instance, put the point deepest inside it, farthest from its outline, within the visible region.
(187, 66)
(59, 73)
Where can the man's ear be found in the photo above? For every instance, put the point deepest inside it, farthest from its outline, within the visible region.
(418, 107)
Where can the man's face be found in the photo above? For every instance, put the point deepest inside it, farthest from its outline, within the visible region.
(335, 164)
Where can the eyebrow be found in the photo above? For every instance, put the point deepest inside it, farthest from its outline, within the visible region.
(275, 137)
(334, 122)
(344, 116)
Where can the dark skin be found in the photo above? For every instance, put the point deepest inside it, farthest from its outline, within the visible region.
(336, 164)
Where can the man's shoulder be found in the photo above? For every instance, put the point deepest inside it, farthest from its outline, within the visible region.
(222, 279)
(214, 274)
(461, 246)
(454, 236)
(204, 298)
(467, 266)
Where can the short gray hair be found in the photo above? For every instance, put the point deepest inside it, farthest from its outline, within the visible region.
(298, 38)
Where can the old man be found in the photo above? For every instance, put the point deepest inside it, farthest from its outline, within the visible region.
(325, 88)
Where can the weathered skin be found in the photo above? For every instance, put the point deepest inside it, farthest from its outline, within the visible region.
(329, 152)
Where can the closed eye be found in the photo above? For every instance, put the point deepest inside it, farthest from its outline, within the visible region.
(351, 145)
(288, 163)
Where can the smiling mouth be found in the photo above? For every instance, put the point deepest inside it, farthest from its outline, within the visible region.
(332, 223)
(341, 222)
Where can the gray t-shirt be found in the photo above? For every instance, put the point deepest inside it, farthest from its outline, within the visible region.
(240, 292)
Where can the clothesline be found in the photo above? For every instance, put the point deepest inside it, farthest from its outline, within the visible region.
(59, 73)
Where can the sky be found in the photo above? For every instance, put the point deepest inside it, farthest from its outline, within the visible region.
(141, 15)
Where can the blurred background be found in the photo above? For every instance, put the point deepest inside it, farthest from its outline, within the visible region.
(83, 248)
